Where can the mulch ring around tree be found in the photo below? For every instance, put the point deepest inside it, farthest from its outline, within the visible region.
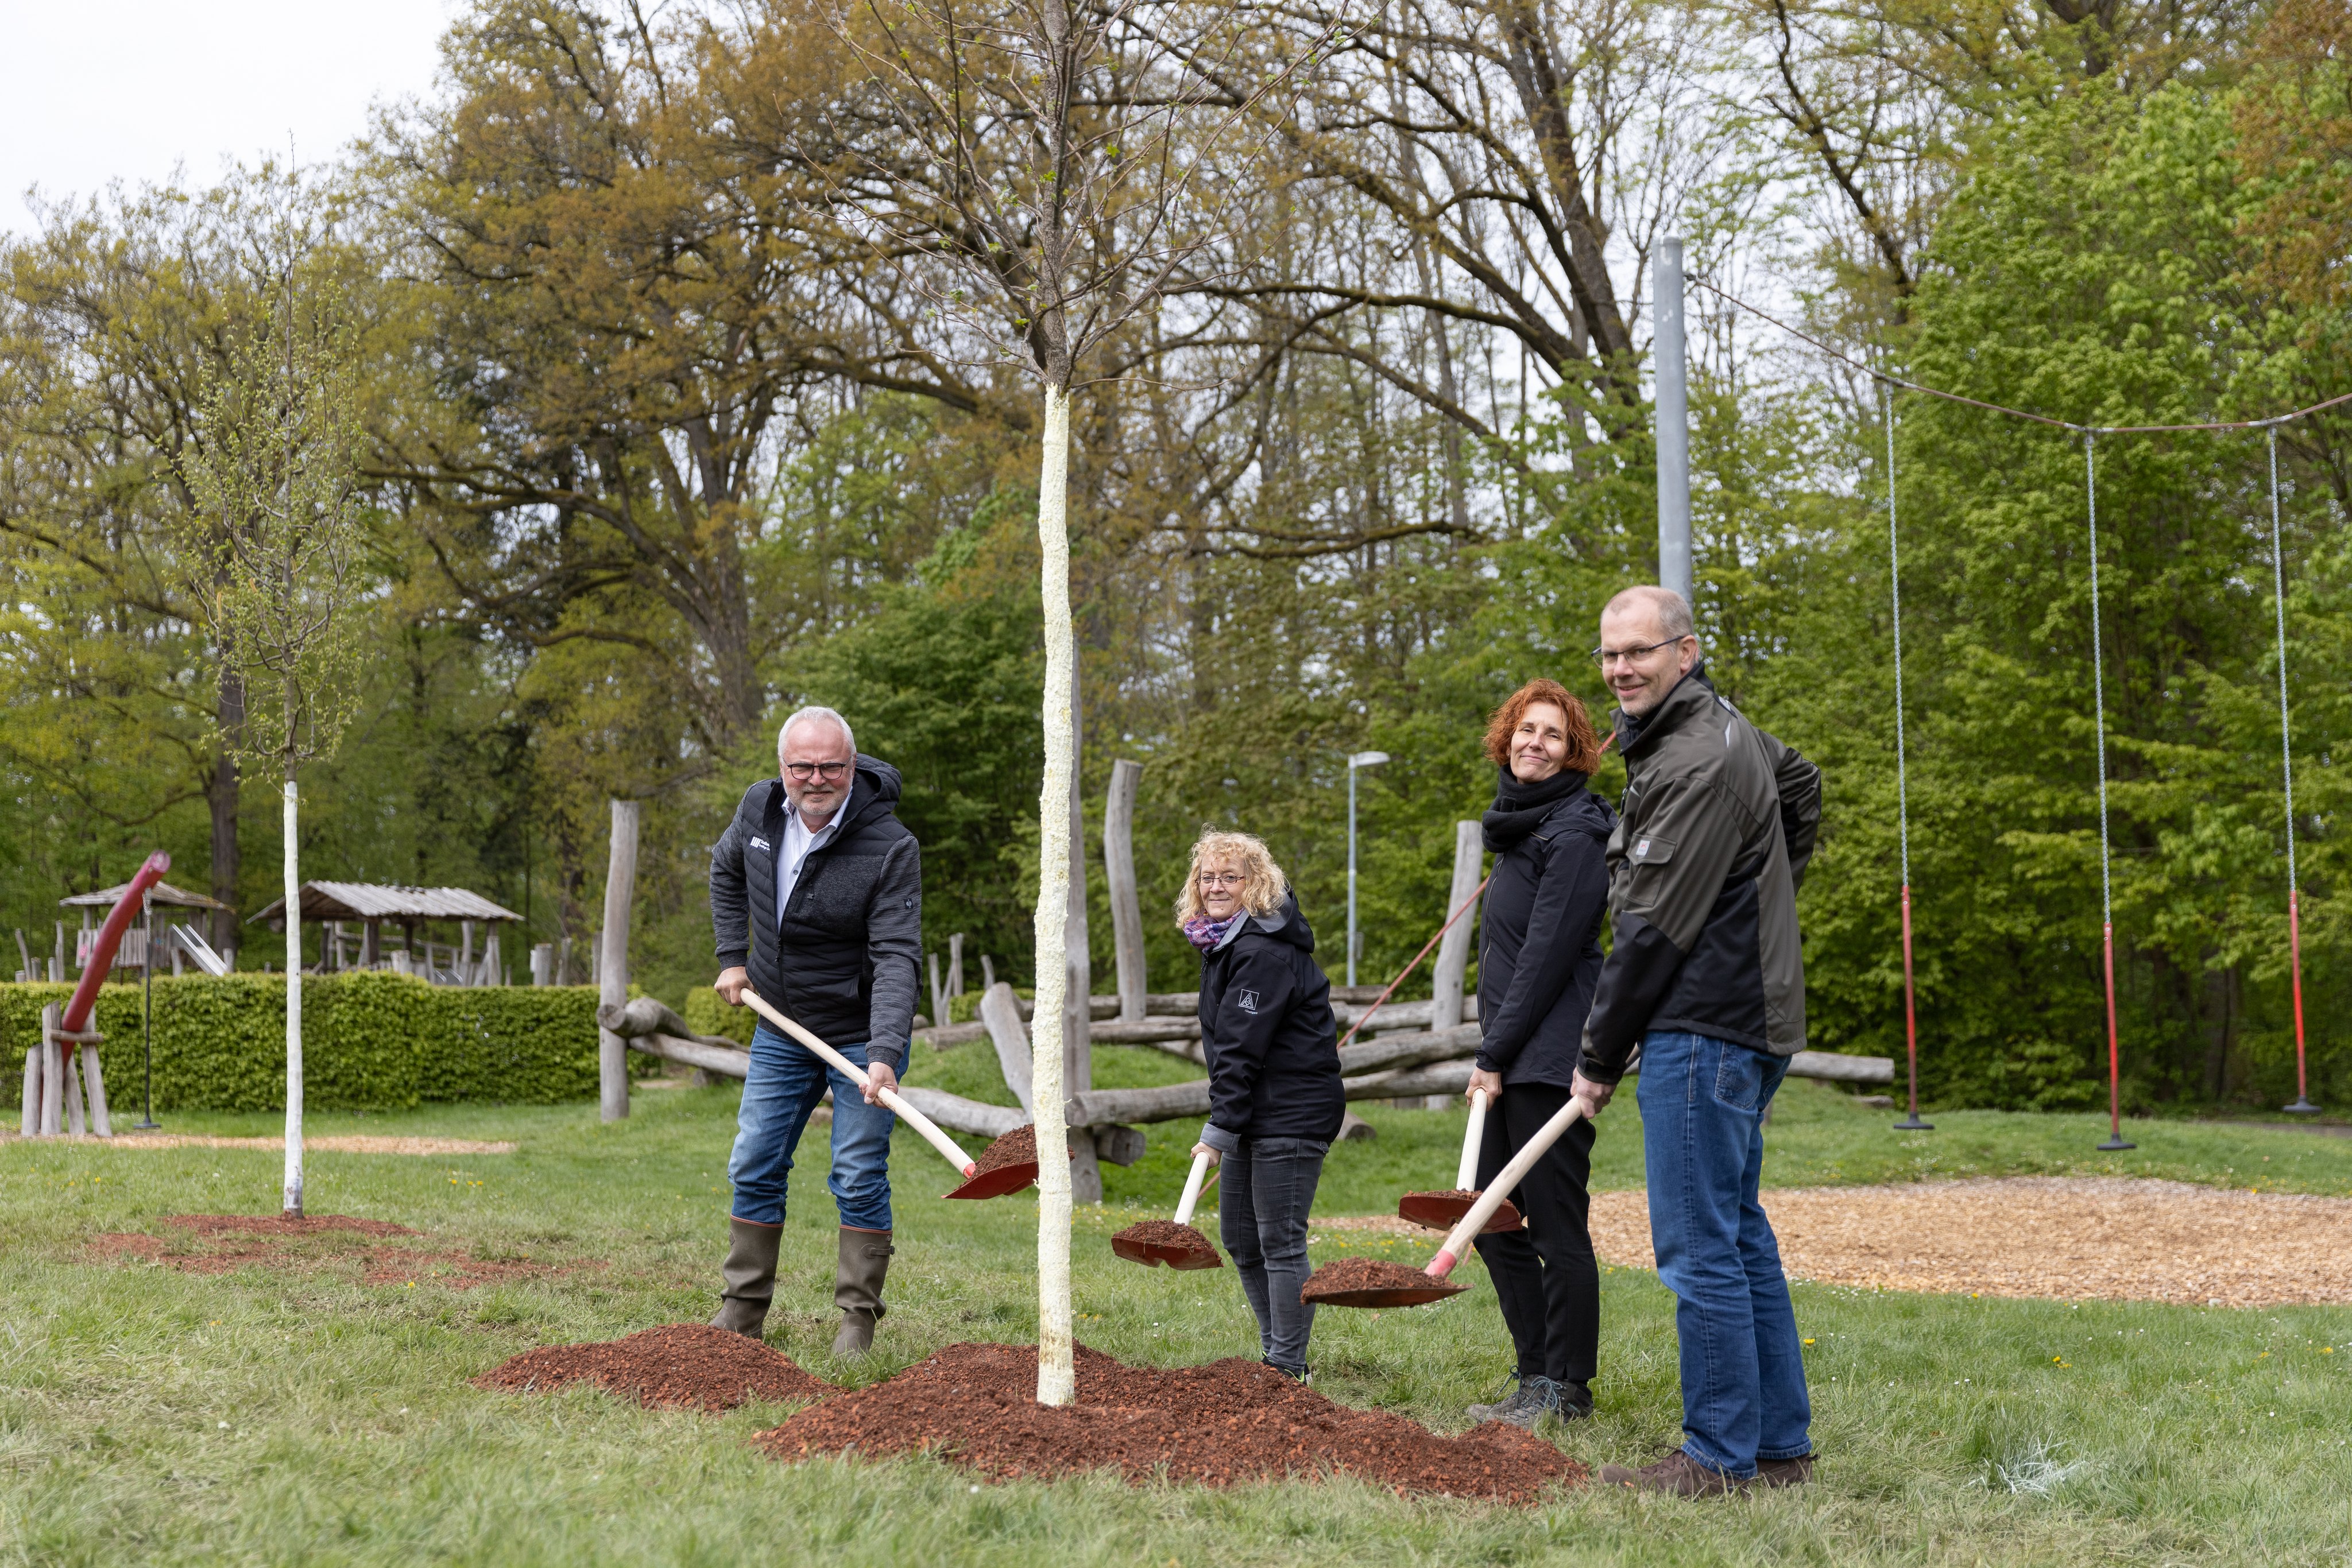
(692, 1366)
(1230, 1421)
(222, 1243)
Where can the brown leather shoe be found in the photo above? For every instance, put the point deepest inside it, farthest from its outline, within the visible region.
(1677, 1475)
(1793, 1472)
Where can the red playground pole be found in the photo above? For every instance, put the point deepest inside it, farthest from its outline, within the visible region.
(2303, 1105)
(2115, 1139)
(110, 936)
(1910, 1026)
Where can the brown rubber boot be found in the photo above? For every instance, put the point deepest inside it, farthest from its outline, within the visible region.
(857, 1288)
(1677, 1475)
(750, 1275)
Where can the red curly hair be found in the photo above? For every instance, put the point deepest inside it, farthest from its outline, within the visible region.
(1583, 744)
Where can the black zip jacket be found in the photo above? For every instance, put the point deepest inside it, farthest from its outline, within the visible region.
(843, 966)
(1539, 935)
(1267, 1031)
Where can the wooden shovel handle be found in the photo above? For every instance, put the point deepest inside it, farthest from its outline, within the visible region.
(946, 1145)
(1471, 1139)
(1192, 1189)
(1505, 1180)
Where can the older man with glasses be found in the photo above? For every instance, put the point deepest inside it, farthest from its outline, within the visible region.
(1707, 976)
(816, 894)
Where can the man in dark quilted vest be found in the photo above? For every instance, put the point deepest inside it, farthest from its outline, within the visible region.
(816, 896)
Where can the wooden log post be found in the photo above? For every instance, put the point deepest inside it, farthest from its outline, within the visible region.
(955, 969)
(938, 993)
(543, 964)
(1454, 952)
(53, 1073)
(93, 1085)
(1000, 1011)
(613, 960)
(1126, 906)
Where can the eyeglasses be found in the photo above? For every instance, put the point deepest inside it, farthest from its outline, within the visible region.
(805, 771)
(1604, 657)
(1224, 878)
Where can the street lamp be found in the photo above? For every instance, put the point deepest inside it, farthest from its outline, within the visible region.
(1360, 759)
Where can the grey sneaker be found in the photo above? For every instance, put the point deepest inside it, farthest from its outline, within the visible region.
(1489, 1412)
(1535, 1398)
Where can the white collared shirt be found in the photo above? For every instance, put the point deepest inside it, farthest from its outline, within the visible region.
(798, 841)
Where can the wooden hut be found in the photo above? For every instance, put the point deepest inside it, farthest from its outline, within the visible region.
(354, 915)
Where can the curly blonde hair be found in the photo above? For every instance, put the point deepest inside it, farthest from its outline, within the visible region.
(1263, 884)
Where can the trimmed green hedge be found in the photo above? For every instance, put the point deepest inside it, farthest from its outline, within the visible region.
(370, 1042)
(707, 1014)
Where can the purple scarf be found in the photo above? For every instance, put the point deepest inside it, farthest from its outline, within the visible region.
(1206, 933)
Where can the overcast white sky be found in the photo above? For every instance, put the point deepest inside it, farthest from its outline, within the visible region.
(95, 91)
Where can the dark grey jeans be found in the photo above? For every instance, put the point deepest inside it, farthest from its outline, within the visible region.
(1269, 1186)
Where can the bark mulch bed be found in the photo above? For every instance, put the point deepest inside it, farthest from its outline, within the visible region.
(222, 1243)
(1370, 1274)
(1017, 1147)
(2062, 1237)
(1230, 1421)
(693, 1365)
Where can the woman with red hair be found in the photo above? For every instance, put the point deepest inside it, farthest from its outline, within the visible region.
(1539, 959)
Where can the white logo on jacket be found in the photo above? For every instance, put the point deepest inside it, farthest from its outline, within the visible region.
(1246, 1001)
(757, 843)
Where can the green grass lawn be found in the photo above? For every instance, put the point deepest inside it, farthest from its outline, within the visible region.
(276, 1415)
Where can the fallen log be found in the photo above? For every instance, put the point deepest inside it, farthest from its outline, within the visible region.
(723, 1056)
(1836, 1067)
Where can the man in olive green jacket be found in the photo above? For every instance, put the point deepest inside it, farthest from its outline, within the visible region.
(1707, 975)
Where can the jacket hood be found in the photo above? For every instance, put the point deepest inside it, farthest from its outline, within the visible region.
(879, 788)
(1694, 691)
(1283, 925)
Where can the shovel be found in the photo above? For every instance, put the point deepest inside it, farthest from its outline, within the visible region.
(1178, 1244)
(1403, 1286)
(976, 1183)
(1444, 1210)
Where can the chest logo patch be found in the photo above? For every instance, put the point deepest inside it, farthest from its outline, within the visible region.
(1246, 1001)
(1643, 848)
(761, 844)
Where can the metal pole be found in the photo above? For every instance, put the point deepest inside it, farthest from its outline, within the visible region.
(1910, 1124)
(2303, 1105)
(1673, 419)
(1351, 872)
(147, 1020)
(2115, 1139)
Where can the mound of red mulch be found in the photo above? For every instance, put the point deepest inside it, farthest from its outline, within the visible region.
(690, 1365)
(1226, 1422)
(1167, 1233)
(1017, 1147)
(1369, 1275)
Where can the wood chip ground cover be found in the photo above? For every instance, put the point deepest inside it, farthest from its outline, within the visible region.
(2057, 1238)
(1230, 1421)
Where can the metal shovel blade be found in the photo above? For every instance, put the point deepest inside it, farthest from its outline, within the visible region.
(1004, 1179)
(1392, 1295)
(1445, 1210)
(1194, 1252)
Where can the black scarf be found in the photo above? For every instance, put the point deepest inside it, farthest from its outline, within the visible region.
(1519, 807)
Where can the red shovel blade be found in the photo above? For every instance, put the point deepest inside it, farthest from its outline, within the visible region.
(1375, 1282)
(1162, 1241)
(1445, 1210)
(1004, 1179)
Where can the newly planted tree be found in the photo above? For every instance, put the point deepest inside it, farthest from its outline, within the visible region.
(272, 562)
(1037, 169)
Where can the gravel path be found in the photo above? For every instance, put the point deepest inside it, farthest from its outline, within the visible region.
(2058, 1238)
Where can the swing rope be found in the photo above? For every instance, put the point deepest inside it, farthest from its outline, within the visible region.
(2115, 1139)
(2303, 1105)
(1902, 787)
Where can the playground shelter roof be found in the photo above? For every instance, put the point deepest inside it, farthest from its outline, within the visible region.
(372, 901)
(164, 892)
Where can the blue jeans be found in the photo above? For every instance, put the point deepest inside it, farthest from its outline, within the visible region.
(787, 1080)
(1269, 1187)
(1703, 1102)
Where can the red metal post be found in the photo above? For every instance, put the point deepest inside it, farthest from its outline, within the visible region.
(2115, 1056)
(110, 936)
(2295, 954)
(1910, 1124)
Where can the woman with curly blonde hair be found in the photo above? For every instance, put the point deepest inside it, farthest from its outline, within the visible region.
(1275, 1100)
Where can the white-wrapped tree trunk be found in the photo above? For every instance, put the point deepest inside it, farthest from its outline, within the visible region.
(1056, 1369)
(293, 1011)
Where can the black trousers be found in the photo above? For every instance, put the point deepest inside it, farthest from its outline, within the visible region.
(1545, 1275)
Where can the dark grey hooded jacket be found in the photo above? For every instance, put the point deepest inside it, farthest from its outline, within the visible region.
(1719, 820)
(843, 963)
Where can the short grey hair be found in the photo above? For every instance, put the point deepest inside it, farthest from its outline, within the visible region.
(1673, 611)
(813, 712)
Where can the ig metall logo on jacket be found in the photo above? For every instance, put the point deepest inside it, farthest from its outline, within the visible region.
(1246, 1001)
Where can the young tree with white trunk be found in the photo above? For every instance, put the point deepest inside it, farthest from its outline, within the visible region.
(1034, 167)
(272, 562)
